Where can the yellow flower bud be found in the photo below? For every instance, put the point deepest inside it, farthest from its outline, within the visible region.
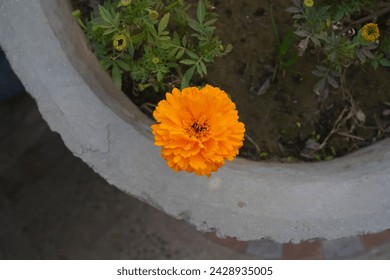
(125, 2)
(308, 3)
(153, 15)
(119, 43)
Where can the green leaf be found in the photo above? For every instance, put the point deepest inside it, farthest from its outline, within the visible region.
(105, 14)
(374, 64)
(332, 81)
(164, 38)
(196, 26)
(180, 53)
(116, 76)
(201, 11)
(316, 42)
(159, 76)
(290, 61)
(187, 77)
(286, 42)
(172, 53)
(184, 40)
(187, 61)
(108, 31)
(138, 38)
(131, 49)
(203, 67)
(210, 22)
(162, 25)
(123, 65)
(192, 54)
(106, 64)
(176, 38)
(384, 62)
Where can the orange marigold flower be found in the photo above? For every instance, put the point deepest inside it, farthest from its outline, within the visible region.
(370, 32)
(197, 129)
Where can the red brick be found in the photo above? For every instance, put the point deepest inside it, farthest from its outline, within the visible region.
(305, 250)
(376, 239)
(229, 242)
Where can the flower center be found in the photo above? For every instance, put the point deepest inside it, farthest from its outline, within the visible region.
(198, 128)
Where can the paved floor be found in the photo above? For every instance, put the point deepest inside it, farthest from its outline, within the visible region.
(53, 206)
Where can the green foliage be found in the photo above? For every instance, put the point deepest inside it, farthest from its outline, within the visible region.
(285, 60)
(333, 30)
(157, 42)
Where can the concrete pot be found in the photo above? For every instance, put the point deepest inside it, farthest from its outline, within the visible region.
(247, 200)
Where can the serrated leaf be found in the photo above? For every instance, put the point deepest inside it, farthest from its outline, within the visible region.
(297, 16)
(361, 56)
(123, 65)
(196, 26)
(192, 54)
(137, 38)
(374, 64)
(184, 41)
(315, 41)
(105, 14)
(162, 25)
(368, 53)
(164, 38)
(176, 38)
(210, 22)
(320, 85)
(187, 62)
(203, 67)
(180, 53)
(297, 3)
(293, 10)
(332, 81)
(159, 76)
(384, 62)
(108, 31)
(106, 64)
(131, 50)
(201, 11)
(302, 33)
(187, 77)
(172, 53)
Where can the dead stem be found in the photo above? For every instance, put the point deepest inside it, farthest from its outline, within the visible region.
(147, 106)
(336, 126)
(373, 17)
(350, 136)
(253, 142)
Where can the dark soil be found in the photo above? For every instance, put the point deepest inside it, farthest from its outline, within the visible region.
(287, 121)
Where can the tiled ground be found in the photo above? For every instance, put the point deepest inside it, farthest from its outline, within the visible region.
(52, 206)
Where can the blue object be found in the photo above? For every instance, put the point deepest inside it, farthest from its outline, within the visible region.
(10, 85)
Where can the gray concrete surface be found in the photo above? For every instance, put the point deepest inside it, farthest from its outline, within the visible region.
(53, 206)
(289, 202)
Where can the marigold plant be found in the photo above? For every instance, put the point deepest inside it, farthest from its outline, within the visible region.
(197, 129)
(340, 35)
